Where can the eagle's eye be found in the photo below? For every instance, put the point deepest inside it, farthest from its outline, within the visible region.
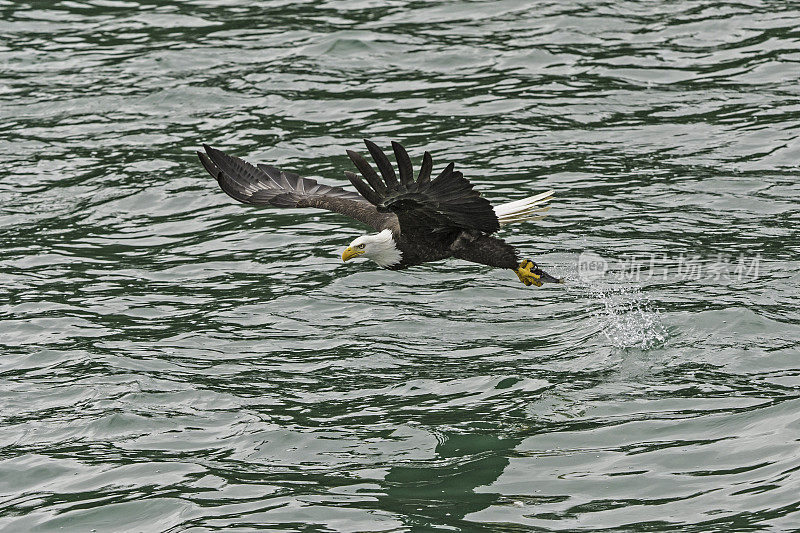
(361, 246)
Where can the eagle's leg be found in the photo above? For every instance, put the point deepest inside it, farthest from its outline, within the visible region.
(530, 274)
(463, 241)
(497, 253)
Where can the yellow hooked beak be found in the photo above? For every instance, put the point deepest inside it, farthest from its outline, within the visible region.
(350, 253)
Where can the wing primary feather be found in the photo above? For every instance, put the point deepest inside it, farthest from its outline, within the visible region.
(368, 172)
(297, 182)
(284, 182)
(384, 165)
(261, 184)
(240, 172)
(403, 164)
(362, 188)
(233, 189)
(425, 170)
(271, 172)
(210, 167)
(446, 174)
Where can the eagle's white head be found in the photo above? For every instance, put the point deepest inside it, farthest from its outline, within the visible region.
(380, 247)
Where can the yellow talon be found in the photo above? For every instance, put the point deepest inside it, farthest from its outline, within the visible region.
(525, 275)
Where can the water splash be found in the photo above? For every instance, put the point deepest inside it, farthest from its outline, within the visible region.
(627, 317)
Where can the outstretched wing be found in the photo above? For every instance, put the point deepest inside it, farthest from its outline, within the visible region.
(444, 203)
(266, 185)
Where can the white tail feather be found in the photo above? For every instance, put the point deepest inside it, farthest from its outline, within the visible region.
(525, 209)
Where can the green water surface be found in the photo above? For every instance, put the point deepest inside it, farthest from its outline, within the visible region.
(171, 360)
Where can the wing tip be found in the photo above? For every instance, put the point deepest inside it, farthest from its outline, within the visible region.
(209, 165)
(214, 154)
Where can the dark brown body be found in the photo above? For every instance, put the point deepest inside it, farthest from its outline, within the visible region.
(467, 245)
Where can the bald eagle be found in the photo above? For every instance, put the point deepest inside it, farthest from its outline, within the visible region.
(417, 220)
